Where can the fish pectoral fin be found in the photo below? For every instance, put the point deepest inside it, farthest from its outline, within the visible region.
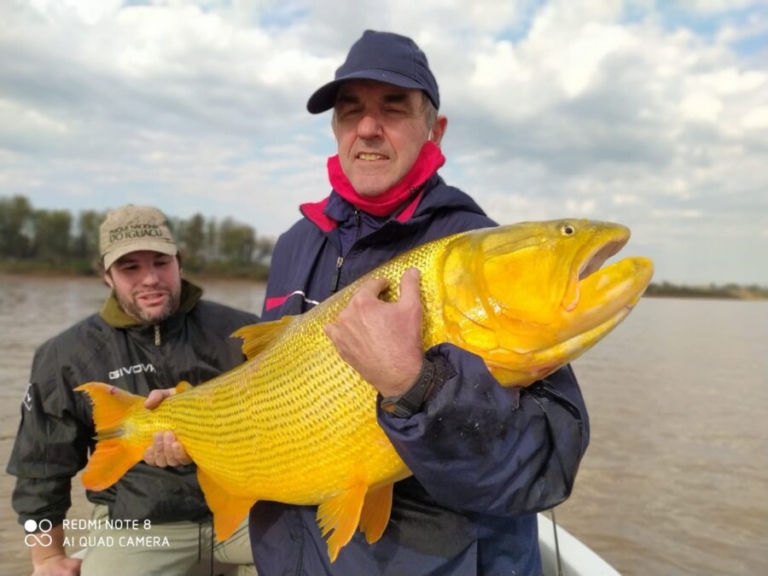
(342, 515)
(182, 386)
(228, 510)
(508, 377)
(376, 510)
(114, 453)
(256, 337)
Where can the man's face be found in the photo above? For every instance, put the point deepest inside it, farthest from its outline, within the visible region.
(380, 130)
(147, 285)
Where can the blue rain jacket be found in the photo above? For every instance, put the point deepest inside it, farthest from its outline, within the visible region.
(485, 459)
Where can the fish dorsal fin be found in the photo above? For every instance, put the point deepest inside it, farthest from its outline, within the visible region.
(376, 510)
(342, 515)
(228, 511)
(256, 337)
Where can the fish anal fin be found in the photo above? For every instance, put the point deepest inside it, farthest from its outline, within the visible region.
(256, 337)
(342, 515)
(115, 452)
(182, 386)
(228, 510)
(376, 510)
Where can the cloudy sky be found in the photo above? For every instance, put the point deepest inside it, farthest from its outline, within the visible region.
(649, 113)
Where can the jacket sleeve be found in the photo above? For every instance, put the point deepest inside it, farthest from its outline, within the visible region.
(51, 445)
(482, 447)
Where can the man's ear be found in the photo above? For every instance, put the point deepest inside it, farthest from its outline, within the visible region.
(108, 279)
(438, 130)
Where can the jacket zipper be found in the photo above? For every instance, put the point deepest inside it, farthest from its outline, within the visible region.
(358, 227)
(336, 275)
(340, 259)
(157, 335)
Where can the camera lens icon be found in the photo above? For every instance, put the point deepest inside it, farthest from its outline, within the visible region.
(38, 533)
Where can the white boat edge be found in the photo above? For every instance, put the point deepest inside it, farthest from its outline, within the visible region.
(576, 558)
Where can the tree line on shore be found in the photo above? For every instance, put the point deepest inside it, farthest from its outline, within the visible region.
(724, 291)
(56, 241)
(42, 241)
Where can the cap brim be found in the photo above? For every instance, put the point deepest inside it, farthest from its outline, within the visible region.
(324, 97)
(156, 246)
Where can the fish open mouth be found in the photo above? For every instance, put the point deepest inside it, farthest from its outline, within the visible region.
(595, 253)
(597, 259)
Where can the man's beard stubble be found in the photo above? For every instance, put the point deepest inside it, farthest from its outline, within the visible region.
(133, 309)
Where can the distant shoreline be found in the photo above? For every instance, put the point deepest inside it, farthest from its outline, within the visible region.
(728, 292)
(65, 275)
(663, 290)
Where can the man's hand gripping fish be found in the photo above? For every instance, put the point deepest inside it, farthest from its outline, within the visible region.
(296, 424)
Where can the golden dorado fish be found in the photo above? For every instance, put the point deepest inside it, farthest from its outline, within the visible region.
(296, 424)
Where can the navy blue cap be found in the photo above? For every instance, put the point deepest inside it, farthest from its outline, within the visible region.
(384, 57)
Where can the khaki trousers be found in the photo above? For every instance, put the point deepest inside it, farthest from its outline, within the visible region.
(173, 549)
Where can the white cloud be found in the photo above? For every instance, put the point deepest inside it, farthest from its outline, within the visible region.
(560, 108)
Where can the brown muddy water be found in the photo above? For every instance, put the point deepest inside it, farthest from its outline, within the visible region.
(675, 481)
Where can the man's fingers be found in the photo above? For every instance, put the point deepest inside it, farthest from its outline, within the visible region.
(149, 456)
(166, 450)
(180, 455)
(409, 286)
(157, 396)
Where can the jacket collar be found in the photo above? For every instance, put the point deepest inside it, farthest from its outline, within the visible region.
(428, 162)
(400, 202)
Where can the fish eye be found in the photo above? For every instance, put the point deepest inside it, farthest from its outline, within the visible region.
(567, 229)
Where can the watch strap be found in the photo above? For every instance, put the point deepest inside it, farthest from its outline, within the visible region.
(411, 401)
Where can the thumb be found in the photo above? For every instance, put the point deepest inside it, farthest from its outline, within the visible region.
(373, 287)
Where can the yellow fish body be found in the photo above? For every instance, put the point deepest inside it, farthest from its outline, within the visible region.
(296, 424)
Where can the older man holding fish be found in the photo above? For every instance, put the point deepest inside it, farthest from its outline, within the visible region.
(484, 457)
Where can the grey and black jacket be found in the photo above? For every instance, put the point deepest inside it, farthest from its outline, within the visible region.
(56, 432)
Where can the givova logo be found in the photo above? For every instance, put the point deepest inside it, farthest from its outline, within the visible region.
(39, 536)
(125, 370)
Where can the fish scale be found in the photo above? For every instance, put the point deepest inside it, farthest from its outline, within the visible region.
(296, 424)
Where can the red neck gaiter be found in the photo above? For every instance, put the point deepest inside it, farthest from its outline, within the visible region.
(430, 159)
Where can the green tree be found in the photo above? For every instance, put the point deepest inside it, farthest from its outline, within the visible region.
(263, 250)
(52, 240)
(85, 243)
(15, 225)
(192, 237)
(237, 242)
(211, 249)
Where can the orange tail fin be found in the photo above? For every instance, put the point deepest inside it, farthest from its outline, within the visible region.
(114, 453)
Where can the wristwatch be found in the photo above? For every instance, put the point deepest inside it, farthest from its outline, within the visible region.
(409, 403)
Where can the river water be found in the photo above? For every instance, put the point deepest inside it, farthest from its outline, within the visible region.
(675, 481)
